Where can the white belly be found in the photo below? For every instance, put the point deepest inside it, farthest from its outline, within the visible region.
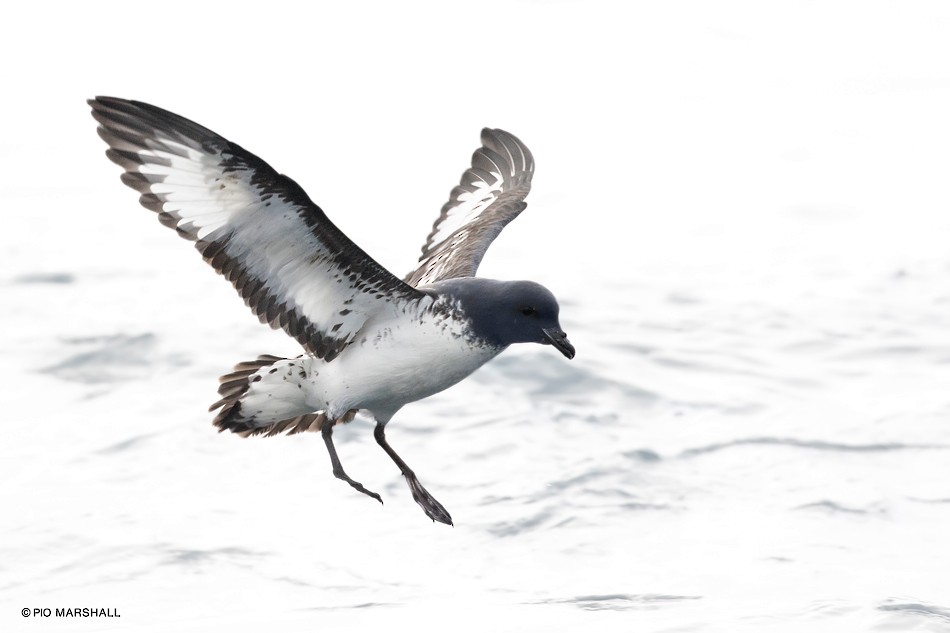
(400, 365)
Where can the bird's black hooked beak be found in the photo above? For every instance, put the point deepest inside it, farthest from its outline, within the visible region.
(555, 336)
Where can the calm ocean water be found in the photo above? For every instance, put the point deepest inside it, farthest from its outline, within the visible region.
(745, 215)
(754, 447)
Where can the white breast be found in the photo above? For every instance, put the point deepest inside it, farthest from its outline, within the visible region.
(398, 360)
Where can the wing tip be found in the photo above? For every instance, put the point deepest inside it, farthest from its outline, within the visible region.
(147, 120)
(509, 146)
(502, 166)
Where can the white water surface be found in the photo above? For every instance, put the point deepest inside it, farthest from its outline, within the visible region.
(743, 207)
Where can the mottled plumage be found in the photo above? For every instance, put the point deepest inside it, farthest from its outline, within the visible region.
(372, 342)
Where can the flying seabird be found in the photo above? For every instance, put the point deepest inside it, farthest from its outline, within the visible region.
(373, 342)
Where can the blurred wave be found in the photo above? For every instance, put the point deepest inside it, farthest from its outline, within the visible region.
(110, 359)
(810, 444)
(622, 602)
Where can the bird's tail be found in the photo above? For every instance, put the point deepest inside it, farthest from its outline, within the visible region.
(267, 396)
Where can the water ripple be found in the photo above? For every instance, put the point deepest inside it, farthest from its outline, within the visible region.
(513, 528)
(832, 507)
(930, 611)
(189, 556)
(105, 359)
(620, 601)
(45, 278)
(111, 359)
(819, 445)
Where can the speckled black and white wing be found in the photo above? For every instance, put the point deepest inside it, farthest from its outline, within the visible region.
(259, 229)
(490, 195)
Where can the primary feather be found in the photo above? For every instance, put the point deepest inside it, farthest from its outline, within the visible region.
(490, 195)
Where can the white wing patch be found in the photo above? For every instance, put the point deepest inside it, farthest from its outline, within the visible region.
(468, 206)
(259, 229)
(490, 195)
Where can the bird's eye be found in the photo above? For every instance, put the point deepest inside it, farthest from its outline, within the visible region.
(528, 311)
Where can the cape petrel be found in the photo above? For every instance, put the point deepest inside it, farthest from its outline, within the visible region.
(373, 342)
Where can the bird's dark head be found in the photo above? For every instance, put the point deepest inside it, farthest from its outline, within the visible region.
(506, 312)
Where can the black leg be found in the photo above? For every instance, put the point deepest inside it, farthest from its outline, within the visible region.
(432, 508)
(338, 472)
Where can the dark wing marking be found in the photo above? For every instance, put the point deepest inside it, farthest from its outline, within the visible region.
(490, 195)
(258, 228)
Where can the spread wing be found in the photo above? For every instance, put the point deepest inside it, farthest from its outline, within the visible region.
(258, 228)
(491, 195)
